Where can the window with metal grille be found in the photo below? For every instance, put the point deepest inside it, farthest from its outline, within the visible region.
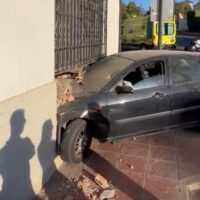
(80, 33)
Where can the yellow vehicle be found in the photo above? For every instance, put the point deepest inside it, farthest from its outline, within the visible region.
(139, 32)
(169, 34)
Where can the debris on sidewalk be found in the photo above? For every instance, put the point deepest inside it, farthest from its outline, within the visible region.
(79, 77)
(107, 194)
(130, 166)
(98, 190)
(101, 181)
(88, 188)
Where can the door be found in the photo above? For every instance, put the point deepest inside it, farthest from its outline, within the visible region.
(147, 108)
(185, 81)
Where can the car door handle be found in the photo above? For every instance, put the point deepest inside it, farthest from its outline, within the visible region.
(158, 95)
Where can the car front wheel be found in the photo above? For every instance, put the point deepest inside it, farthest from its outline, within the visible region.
(75, 142)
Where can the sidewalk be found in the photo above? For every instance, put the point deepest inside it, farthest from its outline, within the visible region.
(162, 166)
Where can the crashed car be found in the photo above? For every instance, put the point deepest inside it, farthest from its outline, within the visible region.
(194, 46)
(128, 94)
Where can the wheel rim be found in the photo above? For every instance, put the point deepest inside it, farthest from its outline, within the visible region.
(80, 144)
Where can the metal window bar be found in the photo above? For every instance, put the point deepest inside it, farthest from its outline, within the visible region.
(80, 33)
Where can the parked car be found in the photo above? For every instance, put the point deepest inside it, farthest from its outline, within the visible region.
(128, 94)
(194, 46)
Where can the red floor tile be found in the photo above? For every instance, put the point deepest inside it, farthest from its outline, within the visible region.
(189, 156)
(132, 149)
(160, 189)
(132, 195)
(129, 185)
(186, 171)
(164, 139)
(107, 173)
(135, 164)
(115, 147)
(103, 159)
(163, 153)
(141, 139)
(162, 169)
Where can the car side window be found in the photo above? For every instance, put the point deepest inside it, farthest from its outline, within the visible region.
(147, 75)
(184, 69)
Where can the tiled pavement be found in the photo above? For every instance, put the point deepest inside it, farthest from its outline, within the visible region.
(163, 166)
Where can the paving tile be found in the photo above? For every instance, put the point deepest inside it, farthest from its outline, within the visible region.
(132, 149)
(189, 156)
(164, 139)
(135, 164)
(117, 146)
(162, 169)
(186, 171)
(188, 140)
(163, 153)
(160, 189)
(129, 185)
(130, 195)
(103, 159)
(141, 139)
(91, 171)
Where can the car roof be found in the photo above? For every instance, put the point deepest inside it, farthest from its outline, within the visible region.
(145, 54)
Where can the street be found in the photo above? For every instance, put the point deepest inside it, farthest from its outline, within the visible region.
(183, 41)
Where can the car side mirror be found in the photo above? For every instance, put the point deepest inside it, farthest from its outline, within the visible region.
(124, 89)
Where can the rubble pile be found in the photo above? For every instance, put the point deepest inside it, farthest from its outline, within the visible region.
(99, 189)
(65, 84)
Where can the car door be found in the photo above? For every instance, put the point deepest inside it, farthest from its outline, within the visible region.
(185, 88)
(148, 108)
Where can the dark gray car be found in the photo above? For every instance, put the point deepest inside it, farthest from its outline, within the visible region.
(128, 94)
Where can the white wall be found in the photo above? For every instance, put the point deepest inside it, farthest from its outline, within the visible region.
(26, 45)
(113, 26)
(27, 97)
(27, 142)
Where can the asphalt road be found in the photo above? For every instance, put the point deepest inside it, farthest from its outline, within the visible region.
(183, 41)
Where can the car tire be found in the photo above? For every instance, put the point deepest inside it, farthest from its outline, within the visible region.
(76, 141)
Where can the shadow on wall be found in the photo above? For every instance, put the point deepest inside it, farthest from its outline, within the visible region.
(15, 159)
(46, 151)
(14, 162)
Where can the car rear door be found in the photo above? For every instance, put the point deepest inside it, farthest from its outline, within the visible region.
(148, 108)
(185, 88)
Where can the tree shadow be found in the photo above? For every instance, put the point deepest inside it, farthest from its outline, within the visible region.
(14, 162)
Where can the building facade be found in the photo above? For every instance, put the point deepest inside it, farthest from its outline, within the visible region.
(28, 93)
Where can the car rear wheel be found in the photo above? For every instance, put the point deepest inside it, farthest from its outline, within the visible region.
(75, 142)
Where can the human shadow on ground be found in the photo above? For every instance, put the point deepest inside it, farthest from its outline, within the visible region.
(14, 162)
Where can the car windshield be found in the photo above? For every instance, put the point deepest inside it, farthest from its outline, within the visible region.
(100, 73)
